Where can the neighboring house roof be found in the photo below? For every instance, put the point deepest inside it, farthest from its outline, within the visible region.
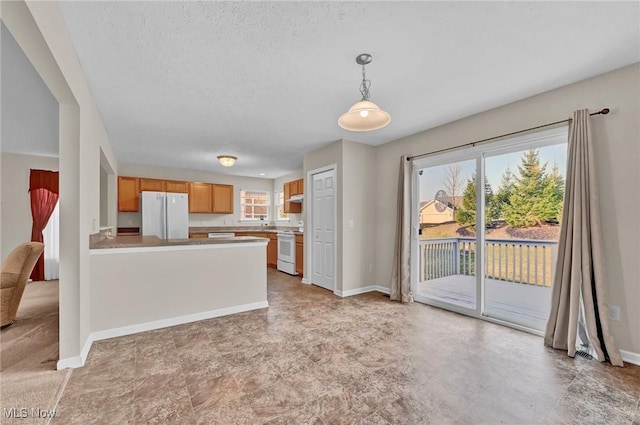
(453, 201)
(425, 204)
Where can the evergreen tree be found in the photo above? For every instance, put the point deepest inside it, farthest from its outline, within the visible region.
(554, 194)
(501, 198)
(536, 196)
(467, 212)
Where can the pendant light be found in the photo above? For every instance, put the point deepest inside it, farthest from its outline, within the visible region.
(364, 115)
(227, 160)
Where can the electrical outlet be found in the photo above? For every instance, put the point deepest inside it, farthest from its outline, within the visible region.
(614, 313)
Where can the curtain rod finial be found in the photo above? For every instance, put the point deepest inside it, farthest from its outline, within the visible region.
(604, 111)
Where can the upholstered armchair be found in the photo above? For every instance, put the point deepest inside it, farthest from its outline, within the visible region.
(16, 269)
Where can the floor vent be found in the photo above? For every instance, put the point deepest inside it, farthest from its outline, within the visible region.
(584, 354)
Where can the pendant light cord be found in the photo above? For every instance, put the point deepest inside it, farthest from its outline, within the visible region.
(366, 85)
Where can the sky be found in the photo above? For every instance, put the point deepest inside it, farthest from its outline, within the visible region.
(432, 177)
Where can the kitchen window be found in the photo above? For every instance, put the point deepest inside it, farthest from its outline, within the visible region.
(254, 204)
(278, 201)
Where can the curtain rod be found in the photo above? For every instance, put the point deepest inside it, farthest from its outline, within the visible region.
(603, 111)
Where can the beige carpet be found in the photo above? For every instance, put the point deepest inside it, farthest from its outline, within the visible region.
(29, 382)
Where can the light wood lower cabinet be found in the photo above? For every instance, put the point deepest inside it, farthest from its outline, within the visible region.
(272, 251)
(299, 255)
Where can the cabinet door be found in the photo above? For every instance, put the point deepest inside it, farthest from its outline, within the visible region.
(152, 185)
(128, 192)
(301, 187)
(272, 252)
(299, 258)
(287, 195)
(200, 197)
(176, 187)
(223, 198)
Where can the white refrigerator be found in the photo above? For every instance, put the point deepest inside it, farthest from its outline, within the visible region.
(165, 215)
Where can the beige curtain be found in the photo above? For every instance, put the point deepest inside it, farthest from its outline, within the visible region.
(401, 272)
(579, 275)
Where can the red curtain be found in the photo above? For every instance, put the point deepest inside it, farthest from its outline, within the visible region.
(43, 190)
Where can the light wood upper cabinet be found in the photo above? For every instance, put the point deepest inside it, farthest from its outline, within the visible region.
(152, 185)
(203, 197)
(301, 187)
(290, 189)
(200, 197)
(222, 198)
(128, 193)
(177, 187)
(293, 187)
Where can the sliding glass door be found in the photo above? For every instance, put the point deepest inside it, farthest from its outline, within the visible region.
(488, 223)
(446, 250)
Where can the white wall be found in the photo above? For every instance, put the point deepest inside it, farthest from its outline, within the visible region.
(15, 203)
(41, 32)
(617, 154)
(239, 183)
(278, 184)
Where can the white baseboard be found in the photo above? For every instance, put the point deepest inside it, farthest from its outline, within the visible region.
(305, 281)
(79, 361)
(382, 289)
(630, 357)
(362, 290)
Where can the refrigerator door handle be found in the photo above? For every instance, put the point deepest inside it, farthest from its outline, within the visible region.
(163, 209)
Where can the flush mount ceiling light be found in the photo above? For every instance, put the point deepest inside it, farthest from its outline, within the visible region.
(227, 160)
(364, 115)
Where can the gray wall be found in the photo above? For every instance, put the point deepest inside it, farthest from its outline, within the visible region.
(617, 155)
(29, 110)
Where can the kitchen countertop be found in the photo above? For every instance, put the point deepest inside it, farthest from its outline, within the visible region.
(253, 229)
(153, 241)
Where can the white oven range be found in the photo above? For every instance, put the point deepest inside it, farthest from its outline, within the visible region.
(287, 252)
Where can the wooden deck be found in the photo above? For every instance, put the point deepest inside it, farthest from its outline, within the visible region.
(526, 305)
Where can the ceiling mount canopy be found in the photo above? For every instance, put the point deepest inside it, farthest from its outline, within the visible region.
(364, 115)
(227, 160)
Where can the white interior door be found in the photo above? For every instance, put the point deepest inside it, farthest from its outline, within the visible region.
(323, 225)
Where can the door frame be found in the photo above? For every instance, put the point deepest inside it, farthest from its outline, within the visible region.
(478, 153)
(308, 236)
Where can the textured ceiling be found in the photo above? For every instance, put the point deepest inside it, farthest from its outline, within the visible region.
(179, 83)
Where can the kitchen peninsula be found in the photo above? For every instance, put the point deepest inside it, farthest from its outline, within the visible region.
(139, 283)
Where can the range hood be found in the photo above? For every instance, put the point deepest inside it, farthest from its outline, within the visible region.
(297, 198)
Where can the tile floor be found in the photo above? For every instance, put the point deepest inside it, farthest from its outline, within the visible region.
(314, 358)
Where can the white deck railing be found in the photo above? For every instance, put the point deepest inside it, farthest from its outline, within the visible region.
(515, 260)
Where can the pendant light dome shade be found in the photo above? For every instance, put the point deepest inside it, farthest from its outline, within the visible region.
(364, 116)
